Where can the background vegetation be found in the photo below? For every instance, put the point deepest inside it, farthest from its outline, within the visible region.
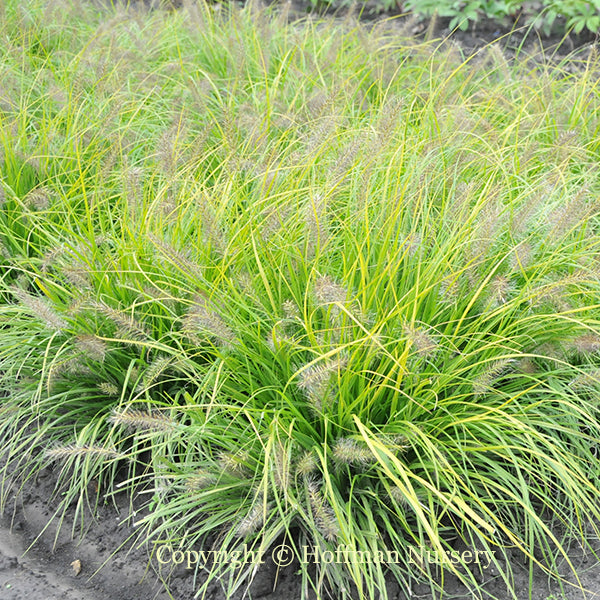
(544, 16)
(301, 282)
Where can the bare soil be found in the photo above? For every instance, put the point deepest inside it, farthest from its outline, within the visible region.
(41, 561)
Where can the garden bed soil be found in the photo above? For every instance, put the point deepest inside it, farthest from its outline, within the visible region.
(40, 561)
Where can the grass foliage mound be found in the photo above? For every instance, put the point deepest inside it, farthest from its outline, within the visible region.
(301, 283)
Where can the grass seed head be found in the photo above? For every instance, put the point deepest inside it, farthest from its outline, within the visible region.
(350, 452)
(484, 382)
(40, 308)
(316, 224)
(500, 289)
(154, 371)
(178, 257)
(315, 380)
(142, 420)
(109, 389)
(280, 466)
(323, 514)
(328, 291)
(423, 343)
(588, 343)
(77, 274)
(569, 214)
(199, 480)
(290, 310)
(586, 381)
(306, 465)
(234, 463)
(522, 257)
(252, 522)
(128, 327)
(73, 450)
(203, 318)
(92, 347)
(38, 198)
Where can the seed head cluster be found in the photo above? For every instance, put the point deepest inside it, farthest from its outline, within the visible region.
(349, 451)
(203, 320)
(420, 339)
(315, 380)
(143, 420)
(323, 514)
(328, 291)
(40, 308)
(483, 382)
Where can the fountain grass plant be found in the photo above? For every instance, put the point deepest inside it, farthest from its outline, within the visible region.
(301, 283)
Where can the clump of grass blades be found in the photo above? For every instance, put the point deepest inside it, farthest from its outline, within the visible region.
(304, 293)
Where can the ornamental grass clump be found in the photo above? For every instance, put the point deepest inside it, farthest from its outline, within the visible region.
(288, 291)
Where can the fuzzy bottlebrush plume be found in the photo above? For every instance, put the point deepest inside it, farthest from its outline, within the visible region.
(328, 291)
(315, 380)
(290, 310)
(350, 452)
(214, 235)
(203, 320)
(143, 420)
(77, 273)
(522, 257)
(568, 145)
(484, 382)
(527, 366)
(180, 258)
(199, 480)
(412, 244)
(109, 389)
(245, 284)
(280, 466)
(449, 291)
(497, 55)
(159, 366)
(500, 288)
(489, 224)
(316, 224)
(50, 257)
(253, 520)
(71, 366)
(588, 343)
(167, 150)
(586, 381)
(128, 327)
(569, 214)
(323, 514)
(555, 293)
(71, 450)
(38, 198)
(399, 496)
(422, 342)
(40, 308)
(388, 124)
(92, 347)
(343, 164)
(234, 463)
(273, 221)
(306, 464)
